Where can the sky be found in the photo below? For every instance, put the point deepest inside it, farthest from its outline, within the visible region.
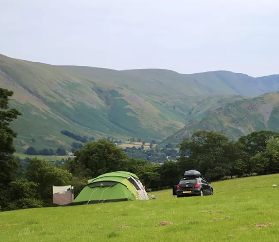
(187, 36)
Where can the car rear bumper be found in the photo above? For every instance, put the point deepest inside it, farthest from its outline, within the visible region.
(188, 193)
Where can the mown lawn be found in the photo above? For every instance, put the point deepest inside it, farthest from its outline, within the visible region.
(241, 210)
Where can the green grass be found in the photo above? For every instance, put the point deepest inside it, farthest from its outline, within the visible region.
(241, 210)
(41, 157)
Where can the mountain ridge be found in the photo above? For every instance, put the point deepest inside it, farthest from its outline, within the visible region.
(104, 102)
(236, 119)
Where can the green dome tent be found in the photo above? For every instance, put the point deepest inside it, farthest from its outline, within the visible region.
(112, 187)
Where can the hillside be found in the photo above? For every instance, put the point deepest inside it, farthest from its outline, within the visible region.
(237, 118)
(166, 82)
(146, 104)
(240, 210)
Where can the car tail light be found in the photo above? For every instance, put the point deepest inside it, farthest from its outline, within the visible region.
(177, 187)
(197, 186)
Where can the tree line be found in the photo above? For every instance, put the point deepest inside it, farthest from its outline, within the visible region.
(216, 156)
(213, 154)
(48, 152)
(32, 151)
(83, 139)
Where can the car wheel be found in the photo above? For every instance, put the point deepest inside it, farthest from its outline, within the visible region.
(211, 191)
(201, 194)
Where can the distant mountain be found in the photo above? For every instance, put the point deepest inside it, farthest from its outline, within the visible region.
(237, 118)
(215, 82)
(165, 82)
(88, 101)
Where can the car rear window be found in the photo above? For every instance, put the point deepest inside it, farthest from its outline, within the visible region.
(188, 181)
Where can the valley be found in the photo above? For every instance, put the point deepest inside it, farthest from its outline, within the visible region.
(150, 104)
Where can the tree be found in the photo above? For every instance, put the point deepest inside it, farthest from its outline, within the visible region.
(149, 174)
(267, 161)
(61, 151)
(8, 164)
(256, 142)
(272, 152)
(234, 159)
(170, 173)
(31, 151)
(206, 151)
(46, 175)
(6, 117)
(83, 139)
(24, 194)
(260, 163)
(46, 152)
(96, 158)
(77, 145)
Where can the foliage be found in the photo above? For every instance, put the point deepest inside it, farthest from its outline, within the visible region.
(149, 173)
(216, 157)
(256, 142)
(22, 188)
(9, 169)
(211, 153)
(6, 117)
(155, 155)
(96, 158)
(61, 151)
(77, 145)
(24, 203)
(207, 153)
(46, 175)
(32, 151)
(24, 194)
(8, 164)
(170, 173)
(83, 139)
(47, 152)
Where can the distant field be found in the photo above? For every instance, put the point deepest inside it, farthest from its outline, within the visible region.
(42, 157)
(136, 144)
(241, 210)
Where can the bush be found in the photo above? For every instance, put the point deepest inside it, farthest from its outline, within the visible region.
(24, 203)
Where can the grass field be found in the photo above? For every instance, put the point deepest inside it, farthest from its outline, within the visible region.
(135, 144)
(41, 157)
(241, 210)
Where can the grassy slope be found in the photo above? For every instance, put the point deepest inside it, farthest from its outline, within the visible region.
(150, 104)
(240, 210)
(215, 82)
(237, 118)
(42, 157)
(52, 100)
